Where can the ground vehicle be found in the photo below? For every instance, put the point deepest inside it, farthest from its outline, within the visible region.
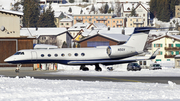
(133, 67)
(155, 66)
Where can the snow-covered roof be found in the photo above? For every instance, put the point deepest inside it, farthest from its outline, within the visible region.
(100, 25)
(176, 37)
(44, 46)
(12, 12)
(89, 32)
(66, 20)
(116, 37)
(41, 31)
(127, 7)
(79, 26)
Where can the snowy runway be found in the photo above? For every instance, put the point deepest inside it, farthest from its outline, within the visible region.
(30, 89)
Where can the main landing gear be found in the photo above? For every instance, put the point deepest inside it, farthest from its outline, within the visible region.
(83, 68)
(97, 68)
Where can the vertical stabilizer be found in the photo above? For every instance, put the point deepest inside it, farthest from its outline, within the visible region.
(138, 38)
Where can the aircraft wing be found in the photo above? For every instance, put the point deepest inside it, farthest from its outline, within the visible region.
(111, 62)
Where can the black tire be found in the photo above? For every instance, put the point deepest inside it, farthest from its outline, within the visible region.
(85, 69)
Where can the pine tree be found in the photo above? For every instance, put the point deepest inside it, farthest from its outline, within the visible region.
(64, 45)
(78, 45)
(109, 11)
(106, 8)
(133, 12)
(74, 45)
(93, 8)
(31, 13)
(70, 9)
(46, 19)
(50, 17)
(71, 1)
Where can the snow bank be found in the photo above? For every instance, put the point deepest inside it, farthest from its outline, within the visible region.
(119, 70)
(30, 89)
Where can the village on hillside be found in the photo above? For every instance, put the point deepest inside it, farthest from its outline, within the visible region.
(89, 23)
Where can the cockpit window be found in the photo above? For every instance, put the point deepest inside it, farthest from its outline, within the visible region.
(19, 53)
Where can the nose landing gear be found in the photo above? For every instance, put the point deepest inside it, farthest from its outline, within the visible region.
(18, 68)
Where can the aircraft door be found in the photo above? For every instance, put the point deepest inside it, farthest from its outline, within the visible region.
(33, 56)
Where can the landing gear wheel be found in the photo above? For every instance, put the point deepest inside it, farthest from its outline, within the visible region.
(97, 68)
(83, 68)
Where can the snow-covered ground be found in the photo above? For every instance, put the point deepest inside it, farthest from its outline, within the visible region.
(30, 89)
(119, 70)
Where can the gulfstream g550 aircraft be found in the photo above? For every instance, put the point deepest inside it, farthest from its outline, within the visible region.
(108, 55)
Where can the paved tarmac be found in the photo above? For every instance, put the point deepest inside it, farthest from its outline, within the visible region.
(47, 75)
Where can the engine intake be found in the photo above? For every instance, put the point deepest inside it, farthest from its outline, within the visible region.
(119, 51)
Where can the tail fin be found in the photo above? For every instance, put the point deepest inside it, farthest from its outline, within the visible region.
(138, 38)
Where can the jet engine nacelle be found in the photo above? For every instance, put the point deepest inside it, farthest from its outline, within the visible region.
(120, 51)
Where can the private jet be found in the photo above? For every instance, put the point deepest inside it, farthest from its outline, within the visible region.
(105, 55)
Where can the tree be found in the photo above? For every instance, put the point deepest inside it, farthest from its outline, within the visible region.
(81, 11)
(74, 45)
(93, 8)
(71, 1)
(31, 13)
(85, 0)
(133, 12)
(64, 45)
(109, 11)
(46, 19)
(118, 8)
(70, 9)
(163, 9)
(106, 8)
(16, 6)
(177, 25)
(50, 17)
(170, 27)
(78, 45)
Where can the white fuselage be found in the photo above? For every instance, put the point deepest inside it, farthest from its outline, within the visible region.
(65, 55)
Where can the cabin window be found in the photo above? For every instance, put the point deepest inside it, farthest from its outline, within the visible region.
(62, 54)
(42, 55)
(49, 55)
(56, 55)
(76, 54)
(19, 53)
(82, 54)
(69, 54)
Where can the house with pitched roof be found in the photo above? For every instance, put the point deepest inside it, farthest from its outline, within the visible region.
(51, 36)
(169, 47)
(141, 9)
(101, 39)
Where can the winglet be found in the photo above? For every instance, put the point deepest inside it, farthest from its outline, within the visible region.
(153, 56)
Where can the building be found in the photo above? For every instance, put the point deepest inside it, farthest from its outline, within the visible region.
(169, 47)
(51, 36)
(142, 11)
(103, 40)
(66, 23)
(106, 19)
(77, 28)
(135, 22)
(177, 11)
(10, 23)
(10, 39)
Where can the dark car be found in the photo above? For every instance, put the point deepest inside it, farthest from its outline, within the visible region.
(133, 67)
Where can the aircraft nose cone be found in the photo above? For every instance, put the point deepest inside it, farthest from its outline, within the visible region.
(6, 60)
(9, 59)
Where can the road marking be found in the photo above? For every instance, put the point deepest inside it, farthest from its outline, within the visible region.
(120, 79)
